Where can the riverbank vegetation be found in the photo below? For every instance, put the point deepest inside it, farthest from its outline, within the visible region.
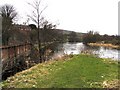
(105, 45)
(75, 71)
(102, 40)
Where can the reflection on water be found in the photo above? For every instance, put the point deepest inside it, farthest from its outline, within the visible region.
(74, 48)
(77, 48)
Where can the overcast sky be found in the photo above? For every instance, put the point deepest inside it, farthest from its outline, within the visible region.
(75, 15)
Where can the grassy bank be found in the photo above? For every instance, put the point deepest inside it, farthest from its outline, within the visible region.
(80, 71)
(105, 45)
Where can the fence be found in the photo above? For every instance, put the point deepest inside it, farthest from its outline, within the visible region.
(20, 57)
(9, 55)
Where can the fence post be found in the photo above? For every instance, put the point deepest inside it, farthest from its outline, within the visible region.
(15, 60)
(25, 47)
(8, 52)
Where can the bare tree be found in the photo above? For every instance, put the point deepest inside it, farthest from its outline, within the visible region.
(37, 18)
(8, 14)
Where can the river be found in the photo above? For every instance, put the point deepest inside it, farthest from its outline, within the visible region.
(60, 49)
(77, 48)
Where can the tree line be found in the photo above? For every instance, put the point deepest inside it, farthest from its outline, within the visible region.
(10, 31)
(94, 37)
(43, 30)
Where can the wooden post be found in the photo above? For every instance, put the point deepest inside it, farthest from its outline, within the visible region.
(15, 60)
(25, 47)
(14, 51)
(8, 58)
(8, 52)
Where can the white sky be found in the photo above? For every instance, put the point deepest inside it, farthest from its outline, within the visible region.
(75, 15)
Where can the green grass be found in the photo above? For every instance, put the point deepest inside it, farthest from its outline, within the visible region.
(80, 71)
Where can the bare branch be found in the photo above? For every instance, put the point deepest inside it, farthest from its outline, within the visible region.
(43, 10)
(32, 5)
(36, 15)
(33, 19)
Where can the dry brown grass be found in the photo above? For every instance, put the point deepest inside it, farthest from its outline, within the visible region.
(104, 45)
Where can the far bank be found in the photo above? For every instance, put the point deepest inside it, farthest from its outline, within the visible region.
(109, 45)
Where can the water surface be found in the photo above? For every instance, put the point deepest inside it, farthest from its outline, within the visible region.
(77, 48)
